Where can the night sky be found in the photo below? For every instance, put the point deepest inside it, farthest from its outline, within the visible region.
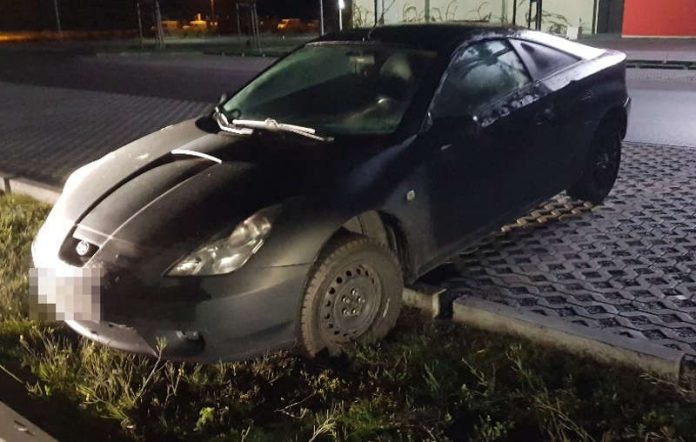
(120, 14)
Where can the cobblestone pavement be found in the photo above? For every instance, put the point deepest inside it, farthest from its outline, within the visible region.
(627, 267)
(47, 132)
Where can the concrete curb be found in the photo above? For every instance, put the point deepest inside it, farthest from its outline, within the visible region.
(665, 362)
(661, 64)
(25, 186)
(14, 427)
(607, 347)
(427, 300)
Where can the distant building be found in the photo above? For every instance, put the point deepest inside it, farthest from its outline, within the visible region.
(639, 18)
(666, 18)
(558, 15)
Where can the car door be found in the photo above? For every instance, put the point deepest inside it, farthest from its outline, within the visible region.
(483, 126)
(561, 133)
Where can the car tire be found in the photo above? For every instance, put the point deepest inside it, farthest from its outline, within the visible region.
(353, 295)
(602, 167)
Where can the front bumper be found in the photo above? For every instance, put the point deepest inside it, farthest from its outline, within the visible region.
(247, 313)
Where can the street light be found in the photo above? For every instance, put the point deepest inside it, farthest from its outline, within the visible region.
(341, 5)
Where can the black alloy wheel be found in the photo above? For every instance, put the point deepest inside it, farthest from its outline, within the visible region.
(602, 168)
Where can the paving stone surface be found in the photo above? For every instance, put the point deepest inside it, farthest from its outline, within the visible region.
(627, 267)
(48, 132)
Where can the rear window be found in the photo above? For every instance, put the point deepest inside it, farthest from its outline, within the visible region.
(541, 60)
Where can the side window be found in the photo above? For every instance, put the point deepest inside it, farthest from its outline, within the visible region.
(479, 75)
(541, 60)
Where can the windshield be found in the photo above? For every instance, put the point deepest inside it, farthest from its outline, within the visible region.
(336, 88)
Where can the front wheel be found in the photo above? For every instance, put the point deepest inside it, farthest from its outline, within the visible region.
(353, 295)
(602, 168)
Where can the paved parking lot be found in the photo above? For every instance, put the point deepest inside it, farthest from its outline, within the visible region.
(627, 267)
(47, 132)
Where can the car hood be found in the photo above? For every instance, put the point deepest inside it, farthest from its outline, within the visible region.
(174, 188)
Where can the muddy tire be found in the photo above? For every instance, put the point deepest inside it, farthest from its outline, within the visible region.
(353, 295)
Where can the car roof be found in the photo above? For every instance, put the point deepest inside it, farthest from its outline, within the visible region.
(440, 37)
(446, 37)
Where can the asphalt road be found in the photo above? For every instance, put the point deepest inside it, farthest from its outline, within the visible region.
(190, 77)
(664, 106)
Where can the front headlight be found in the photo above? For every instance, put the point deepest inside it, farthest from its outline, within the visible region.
(228, 254)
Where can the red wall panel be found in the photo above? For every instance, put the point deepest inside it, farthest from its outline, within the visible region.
(660, 17)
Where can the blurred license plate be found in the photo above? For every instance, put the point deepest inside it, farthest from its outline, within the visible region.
(65, 294)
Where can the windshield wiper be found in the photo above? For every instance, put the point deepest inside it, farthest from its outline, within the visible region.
(273, 125)
(225, 126)
(245, 127)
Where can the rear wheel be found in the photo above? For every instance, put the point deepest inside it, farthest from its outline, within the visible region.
(602, 167)
(353, 295)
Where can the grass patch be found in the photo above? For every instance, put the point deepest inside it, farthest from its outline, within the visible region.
(427, 381)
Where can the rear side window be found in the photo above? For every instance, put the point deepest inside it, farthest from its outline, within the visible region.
(477, 76)
(541, 60)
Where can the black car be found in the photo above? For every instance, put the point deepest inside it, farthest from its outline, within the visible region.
(294, 213)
